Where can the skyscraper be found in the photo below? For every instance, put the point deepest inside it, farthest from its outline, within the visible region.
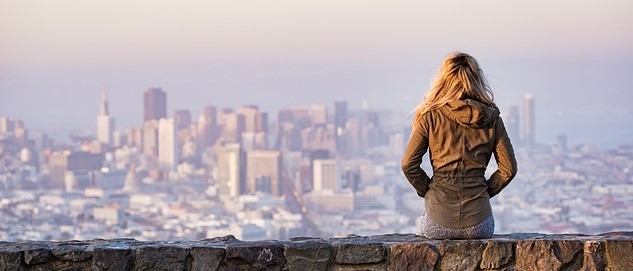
(250, 113)
(155, 104)
(340, 115)
(230, 170)
(207, 128)
(263, 170)
(150, 138)
(105, 122)
(528, 120)
(254, 135)
(167, 144)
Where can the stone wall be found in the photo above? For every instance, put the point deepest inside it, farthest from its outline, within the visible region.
(609, 251)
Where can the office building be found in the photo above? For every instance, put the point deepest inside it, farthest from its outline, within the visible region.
(254, 135)
(230, 170)
(329, 202)
(150, 138)
(105, 122)
(340, 114)
(207, 128)
(263, 172)
(65, 165)
(250, 114)
(167, 144)
(155, 104)
(325, 175)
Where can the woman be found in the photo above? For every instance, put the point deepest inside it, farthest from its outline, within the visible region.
(459, 123)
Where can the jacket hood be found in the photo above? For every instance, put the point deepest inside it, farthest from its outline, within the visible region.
(470, 113)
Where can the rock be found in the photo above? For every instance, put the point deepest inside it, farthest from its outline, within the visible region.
(36, 256)
(255, 256)
(71, 253)
(221, 239)
(308, 255)
(412, 256)
(161, 257)
(104, 258)
(359, 253)
(619, 254)
(303, 238)
(360, 267)
(593, 256)
(10, 259)
(610, 251)
(206, 258)
(497, 255)
(549, 254)
(460, 255)
(61, 265)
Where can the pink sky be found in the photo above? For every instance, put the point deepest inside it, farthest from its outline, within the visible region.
(63, 33)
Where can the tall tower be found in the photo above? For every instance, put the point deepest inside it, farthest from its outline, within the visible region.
(230, 170)
(155, 104)
(528, 120)
(105, 122)
(340, 115)
(167, 144)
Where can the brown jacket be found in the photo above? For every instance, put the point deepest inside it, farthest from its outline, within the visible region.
(461, 136)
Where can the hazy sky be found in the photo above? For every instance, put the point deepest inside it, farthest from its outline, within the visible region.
(575, 57)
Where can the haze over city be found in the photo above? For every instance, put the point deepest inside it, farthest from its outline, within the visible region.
(273, 119)
(56, 57)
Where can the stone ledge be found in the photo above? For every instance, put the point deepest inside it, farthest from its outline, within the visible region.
(525, 251)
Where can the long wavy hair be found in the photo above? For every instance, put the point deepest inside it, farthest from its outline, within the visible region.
(459, 78)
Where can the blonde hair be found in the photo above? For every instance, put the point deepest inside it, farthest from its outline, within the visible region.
(459, 77)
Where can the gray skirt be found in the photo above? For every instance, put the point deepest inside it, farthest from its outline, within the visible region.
(433, 230)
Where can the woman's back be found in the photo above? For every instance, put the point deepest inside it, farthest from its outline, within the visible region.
(461, 129)
(462, 136)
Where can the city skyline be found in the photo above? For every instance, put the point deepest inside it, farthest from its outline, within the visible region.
(574, 59)
(317, 170)
(548, 134)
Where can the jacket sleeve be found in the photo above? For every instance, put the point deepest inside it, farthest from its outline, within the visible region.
(506, 162)
(416, 148)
